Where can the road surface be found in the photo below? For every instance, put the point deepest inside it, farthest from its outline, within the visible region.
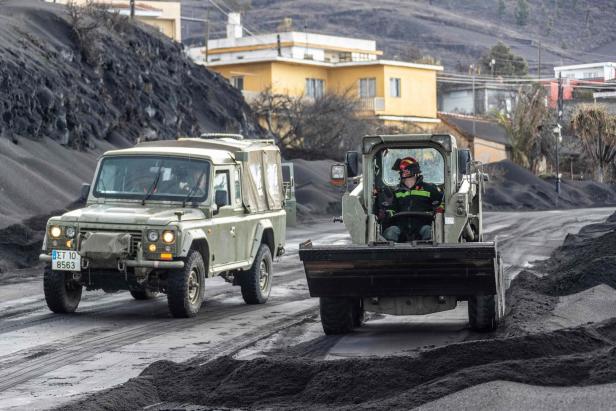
(47, 359)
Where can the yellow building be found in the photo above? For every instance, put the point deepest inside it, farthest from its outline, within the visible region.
(164, 15)
(307, 65)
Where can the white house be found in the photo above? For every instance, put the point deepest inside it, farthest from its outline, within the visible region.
(594, 71)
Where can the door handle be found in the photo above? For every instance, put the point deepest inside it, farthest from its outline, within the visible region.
(232, 231)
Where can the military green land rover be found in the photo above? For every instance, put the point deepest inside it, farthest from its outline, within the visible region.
(163, 216)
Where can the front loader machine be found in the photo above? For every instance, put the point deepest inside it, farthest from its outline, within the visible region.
(411, 278)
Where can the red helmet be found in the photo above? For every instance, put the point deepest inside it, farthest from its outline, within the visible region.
(408, 167)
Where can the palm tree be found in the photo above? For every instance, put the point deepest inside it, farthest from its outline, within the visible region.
(596, 129)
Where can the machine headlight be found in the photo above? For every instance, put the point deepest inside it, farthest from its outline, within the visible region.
(55, 231)
(168, 237)
(69, 232)
(152, 236)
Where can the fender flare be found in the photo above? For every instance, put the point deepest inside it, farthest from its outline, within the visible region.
(262, 225)
(188, 237)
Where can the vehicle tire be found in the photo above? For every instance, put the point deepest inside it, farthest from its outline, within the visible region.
(62, 293)
(185, 286)
(338, 315)
(359, 313)
(482, 312)
(256, 283)
(143, 294)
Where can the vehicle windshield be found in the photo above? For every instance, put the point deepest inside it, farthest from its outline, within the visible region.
(430, 160)
(133, 177)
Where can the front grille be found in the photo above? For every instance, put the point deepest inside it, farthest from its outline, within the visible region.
(135, 237)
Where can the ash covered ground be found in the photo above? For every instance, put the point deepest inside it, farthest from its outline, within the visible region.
(559, 331)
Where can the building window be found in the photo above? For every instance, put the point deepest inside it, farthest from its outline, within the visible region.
(367, 87)
(238, 82)
(315, 87)
(395, 87)
(363, 56)
(345, 57)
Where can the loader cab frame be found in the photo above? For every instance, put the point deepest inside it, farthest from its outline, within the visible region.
(373, 168)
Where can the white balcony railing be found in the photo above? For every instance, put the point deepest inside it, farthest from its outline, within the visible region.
(372, 104)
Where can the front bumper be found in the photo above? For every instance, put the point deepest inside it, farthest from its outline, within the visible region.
(136, 263)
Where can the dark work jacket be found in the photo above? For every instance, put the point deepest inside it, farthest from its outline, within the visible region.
(421, 197)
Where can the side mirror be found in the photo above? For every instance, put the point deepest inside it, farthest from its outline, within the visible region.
(221, 198)
(338, 175)
(84, 192)
(352, 163)
(464, 161)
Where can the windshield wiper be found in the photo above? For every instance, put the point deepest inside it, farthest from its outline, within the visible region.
(193, 189)
(154, 184)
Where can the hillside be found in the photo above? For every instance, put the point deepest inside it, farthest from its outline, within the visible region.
(66, 96)
(457, 32)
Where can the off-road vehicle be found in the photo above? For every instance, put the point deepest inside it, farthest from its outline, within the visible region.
(163, 216)
(415, 277)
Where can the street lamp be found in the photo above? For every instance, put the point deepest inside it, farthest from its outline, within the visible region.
(492, 64)
(559, 138)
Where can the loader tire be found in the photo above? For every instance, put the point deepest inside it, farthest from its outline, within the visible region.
(62, 293)
(338, 315)
(185, 287)
(482, 312)
(256, 283)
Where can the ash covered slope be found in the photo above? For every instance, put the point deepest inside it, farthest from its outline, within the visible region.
(512, 187)
(64, 101)
(118, 81)
(457, 32)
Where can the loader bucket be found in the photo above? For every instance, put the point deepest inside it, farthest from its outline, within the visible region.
(400, 269)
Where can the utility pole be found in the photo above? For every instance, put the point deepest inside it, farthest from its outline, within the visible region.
(559, 136)
(539, 62)
(207, 35)
(474, 97)
(132, 9)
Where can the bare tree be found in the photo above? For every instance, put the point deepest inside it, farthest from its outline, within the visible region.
(323, 127)
(596, 129)
(528, 147)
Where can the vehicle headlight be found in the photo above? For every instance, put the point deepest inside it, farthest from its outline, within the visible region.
(55, 231)
(152, 236)
(69, 232)
(168, 237)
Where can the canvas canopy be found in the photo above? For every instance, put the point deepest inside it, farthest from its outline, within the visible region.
(262, 185)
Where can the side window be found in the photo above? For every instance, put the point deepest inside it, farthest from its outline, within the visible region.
(221, 183)
(238, 187)
(257, 176)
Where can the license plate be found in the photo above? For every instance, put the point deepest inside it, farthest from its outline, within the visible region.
(64, 260)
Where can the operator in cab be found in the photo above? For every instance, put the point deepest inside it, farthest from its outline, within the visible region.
(412, 194)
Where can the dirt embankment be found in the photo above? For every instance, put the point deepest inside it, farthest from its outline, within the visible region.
(68, 95)
(512, 187)
(315, 195)
(521, 351)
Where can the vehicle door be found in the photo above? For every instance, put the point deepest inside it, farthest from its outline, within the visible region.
(224, 228)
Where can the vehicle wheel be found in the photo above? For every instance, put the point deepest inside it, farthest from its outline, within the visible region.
(482, 312)
(256, 283)
(338, 315)
(62, 293)
(185, 287)
(143, 294)
(358, 312)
